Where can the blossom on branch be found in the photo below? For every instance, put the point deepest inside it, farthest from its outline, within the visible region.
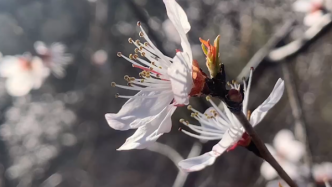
(23, 73)
(288, 152)
(314, 10)
(219, 124)
(165, 83)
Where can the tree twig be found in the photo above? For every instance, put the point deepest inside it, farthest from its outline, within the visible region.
(300, 127)
(262, 53)
(167, 151)
(262, 149)
(294, 47)
(182, 176)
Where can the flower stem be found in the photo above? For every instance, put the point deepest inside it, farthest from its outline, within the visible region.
(266, 155)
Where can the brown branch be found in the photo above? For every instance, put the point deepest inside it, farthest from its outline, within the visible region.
(266, 155)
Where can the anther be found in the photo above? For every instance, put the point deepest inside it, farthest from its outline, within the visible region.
(141, 34)
(136, 50)
(139, 23)
(146, 44)
(179, 129)
(132, 78)
(119, 54)
(117, 95)
(140, 48)
(142, 80)
(129, 84)
(135, 56)
(113, 84)
(126, 77)
(151, 68)
(160, 67)
(143, 54)
(208, 98)
(192, 115)
(181, 120)
(138, 42)
(189, 107)
(130, 40)
(131, 56)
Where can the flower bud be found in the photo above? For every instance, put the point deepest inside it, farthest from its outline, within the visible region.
(212, 55)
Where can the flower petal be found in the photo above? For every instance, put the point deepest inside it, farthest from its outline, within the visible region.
(19, 85)
(10, 66)
(180, 20)
(139, 111)
(40, 48)
(207, 159)
(287, 146)
(166, 124)
(313, 18)
(273, 98)
(150, 132)
(267, 171)
(181, 79)
(302, 6)
(197, 163)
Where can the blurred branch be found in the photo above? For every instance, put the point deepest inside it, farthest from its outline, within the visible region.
(261, 54)
(264, 152)
(300, 128)
(292, 48)
(167, 151)
(142, 18)
(182, 176)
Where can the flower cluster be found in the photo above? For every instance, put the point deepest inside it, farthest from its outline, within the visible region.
(288, 152)
(26, 72)
(166, 83)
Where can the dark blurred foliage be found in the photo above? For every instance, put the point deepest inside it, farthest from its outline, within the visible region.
(58, 136)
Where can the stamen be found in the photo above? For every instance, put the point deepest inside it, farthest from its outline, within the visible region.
(119, 54)
(200, 136)
(150, 96)
(159, 88)
(144, 68)
(126, 77)
(113, 84)
(130, 40)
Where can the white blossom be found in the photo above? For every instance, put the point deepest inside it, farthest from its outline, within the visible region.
(166, 83)
(219, 124)
(54, 57)
(22, 73)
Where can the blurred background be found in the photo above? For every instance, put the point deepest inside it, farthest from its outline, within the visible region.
(57, 135)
